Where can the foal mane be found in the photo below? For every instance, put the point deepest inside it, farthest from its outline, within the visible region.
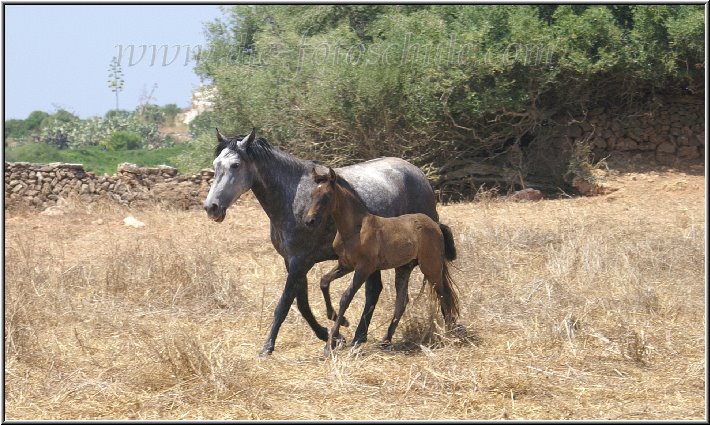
(346, 187)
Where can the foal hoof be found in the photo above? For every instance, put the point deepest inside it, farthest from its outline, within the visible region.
(334, 344)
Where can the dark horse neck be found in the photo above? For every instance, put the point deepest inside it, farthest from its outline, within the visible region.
(349, 212)
(278, 175)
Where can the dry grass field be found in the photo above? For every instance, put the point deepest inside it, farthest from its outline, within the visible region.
(583, 308)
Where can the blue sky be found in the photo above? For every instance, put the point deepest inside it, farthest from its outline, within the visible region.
(59, 56)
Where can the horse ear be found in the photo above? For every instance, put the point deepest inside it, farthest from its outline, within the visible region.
(247, 140)
(314, 174)
(331, 175)
(220, 136)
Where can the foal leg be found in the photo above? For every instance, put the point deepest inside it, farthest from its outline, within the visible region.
(338, 271)
(401, 286)
(347, 297)
(373, 288)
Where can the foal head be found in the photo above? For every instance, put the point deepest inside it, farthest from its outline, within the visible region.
(322, 198)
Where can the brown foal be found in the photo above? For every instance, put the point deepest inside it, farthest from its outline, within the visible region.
(366, 243)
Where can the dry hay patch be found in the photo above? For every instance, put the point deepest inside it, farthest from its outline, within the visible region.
(574, 308)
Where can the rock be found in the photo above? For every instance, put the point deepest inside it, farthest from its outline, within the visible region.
(599, 142)
(528, 194)
(586, 188)
(574, 131)
(127, 167)
(133, 222)
(53, 210)
(688, 152)
(666, 147)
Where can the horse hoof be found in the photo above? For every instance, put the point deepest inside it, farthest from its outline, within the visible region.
(459, 331)
(339, 341)
(359, 340)
(323, 334)
(386, 344)
(265, 352)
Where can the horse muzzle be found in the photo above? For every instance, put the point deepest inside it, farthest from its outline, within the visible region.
(215, 212)
(311, 220)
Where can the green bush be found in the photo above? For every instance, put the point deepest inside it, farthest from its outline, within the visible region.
(197, 153)
(433, 84)
(121, 141)
(203, 123)
(170, 111)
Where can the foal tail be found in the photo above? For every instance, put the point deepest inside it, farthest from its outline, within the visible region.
(448, 297)
(449, 247)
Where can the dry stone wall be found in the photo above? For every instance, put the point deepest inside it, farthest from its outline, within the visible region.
(41, 185)
(675, 131)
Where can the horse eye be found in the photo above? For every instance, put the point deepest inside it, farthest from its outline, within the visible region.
(234, 166)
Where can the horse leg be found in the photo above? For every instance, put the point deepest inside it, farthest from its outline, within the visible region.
(347, 297)
(401, 286)
(373, 288)
(338, 271)
(305, 309)
(297, 270)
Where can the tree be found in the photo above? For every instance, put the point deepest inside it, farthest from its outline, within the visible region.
(115, 78)
(122, 140)
(446, 87)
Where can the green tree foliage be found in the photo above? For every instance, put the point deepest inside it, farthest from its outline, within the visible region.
(57, 128)
(203, 123)
(170, 111)
(63, 130)
(437, 84)
(21, 129)
(122, 140)
(151, 114)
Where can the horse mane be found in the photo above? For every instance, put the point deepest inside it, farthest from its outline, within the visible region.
(258, 149)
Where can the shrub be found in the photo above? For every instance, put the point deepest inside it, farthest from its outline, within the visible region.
(441, 83)
(203, 123)
(122, 140)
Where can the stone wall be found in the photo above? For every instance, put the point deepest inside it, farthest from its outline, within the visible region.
(41, 185)
(674, 131)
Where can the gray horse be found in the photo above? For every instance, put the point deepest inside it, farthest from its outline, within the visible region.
(282, 184)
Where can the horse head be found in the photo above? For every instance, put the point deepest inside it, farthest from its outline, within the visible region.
(233, 174)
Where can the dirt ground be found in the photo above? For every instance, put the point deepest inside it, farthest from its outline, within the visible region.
(575, 308)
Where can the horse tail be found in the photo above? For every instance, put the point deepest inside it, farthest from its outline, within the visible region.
(449, 247)
(448, 297)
